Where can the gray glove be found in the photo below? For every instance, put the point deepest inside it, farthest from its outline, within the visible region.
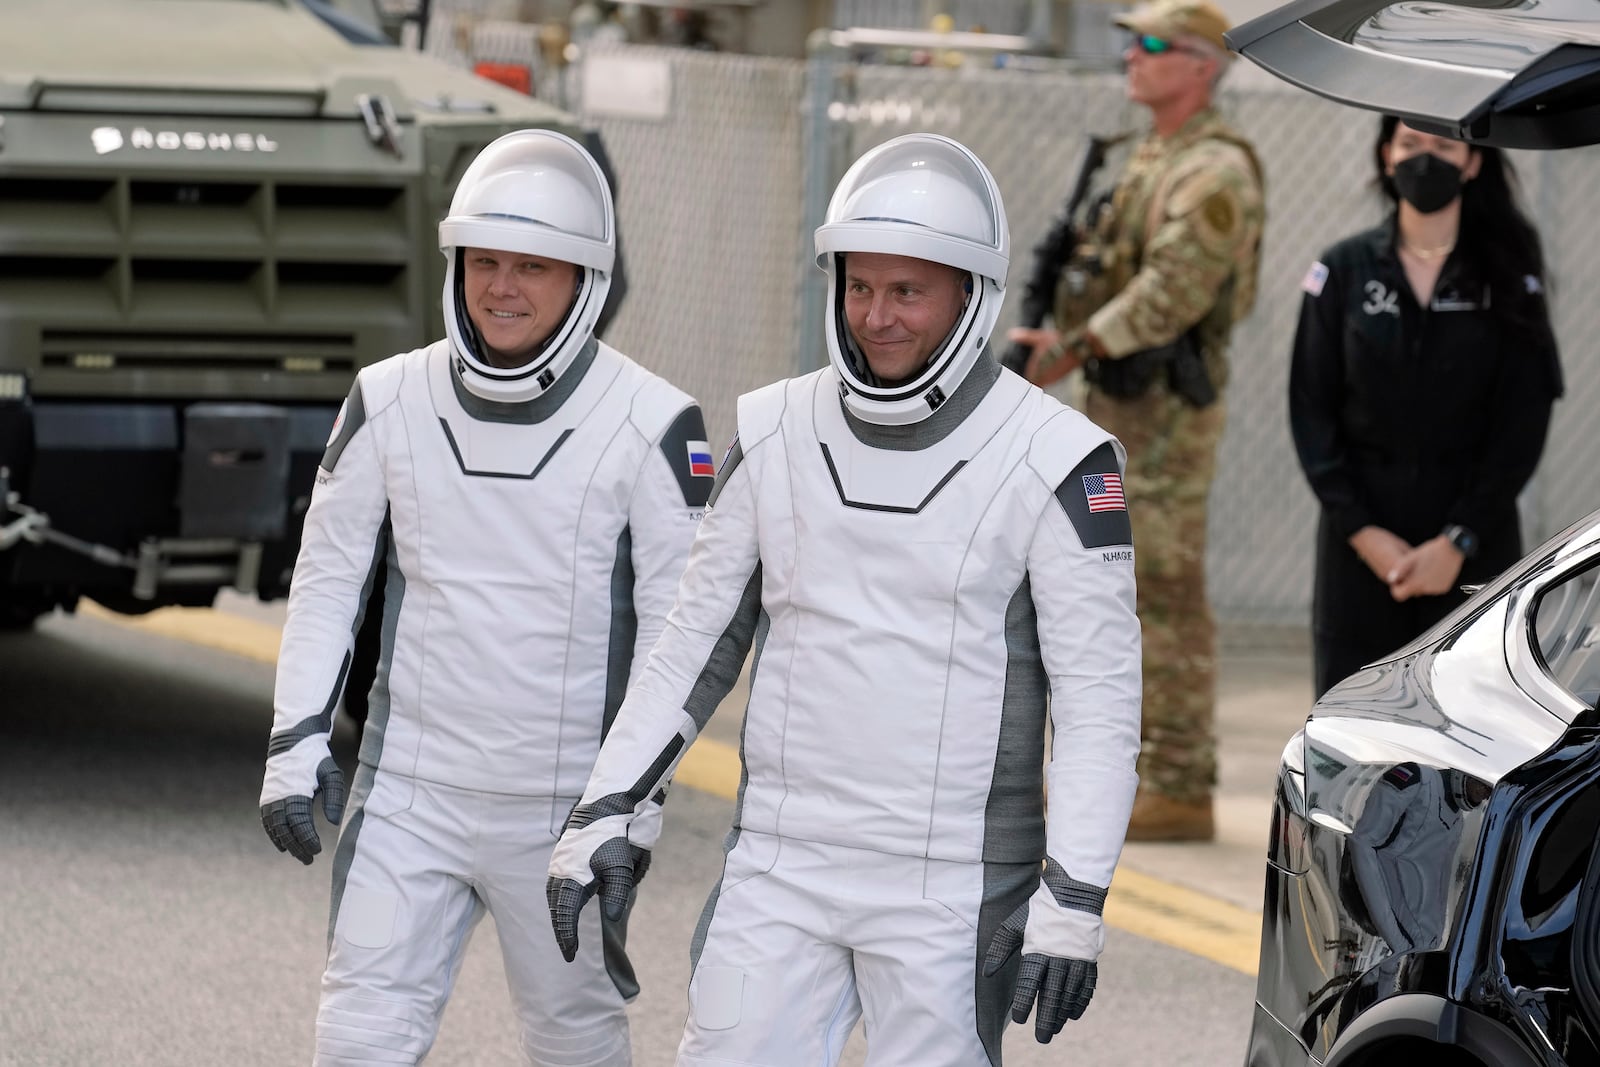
(1062, 987)
(1060, 984)
(618, 867)
(592, 857)
(288, 819)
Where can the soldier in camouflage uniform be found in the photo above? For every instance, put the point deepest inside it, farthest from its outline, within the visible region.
(1146, 300)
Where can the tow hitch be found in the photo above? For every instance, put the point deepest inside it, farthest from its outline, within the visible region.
(159, 561)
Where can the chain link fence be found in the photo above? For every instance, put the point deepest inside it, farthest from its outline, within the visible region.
(709, 203)
(1565, 190)
(995, 16)
(720, 192)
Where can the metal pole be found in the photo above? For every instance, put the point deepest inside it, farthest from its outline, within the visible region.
(423, 10)
(818, 145)
(1040, 30)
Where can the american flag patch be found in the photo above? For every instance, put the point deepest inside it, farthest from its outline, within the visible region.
(700, 460)
(1104, 492)
(1315, 279)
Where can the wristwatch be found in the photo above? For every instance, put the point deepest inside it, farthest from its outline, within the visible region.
(1465, 540)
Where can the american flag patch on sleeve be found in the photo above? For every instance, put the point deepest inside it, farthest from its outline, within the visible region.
(700, 460)
(1315, 279)
(1104, 492)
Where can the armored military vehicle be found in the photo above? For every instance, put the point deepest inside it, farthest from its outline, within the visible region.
(212, 213)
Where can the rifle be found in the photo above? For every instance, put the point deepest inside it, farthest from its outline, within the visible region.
(1052, 250)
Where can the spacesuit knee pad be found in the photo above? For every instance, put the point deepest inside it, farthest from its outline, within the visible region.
(602, 1046)
(362, 1029)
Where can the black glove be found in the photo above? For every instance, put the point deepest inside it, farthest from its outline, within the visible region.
(289, 823)
(1062, 987)
(618, 867)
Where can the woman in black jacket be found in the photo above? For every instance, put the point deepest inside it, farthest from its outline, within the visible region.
(1423, 375)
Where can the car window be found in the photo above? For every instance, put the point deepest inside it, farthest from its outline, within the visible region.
(1566, 626)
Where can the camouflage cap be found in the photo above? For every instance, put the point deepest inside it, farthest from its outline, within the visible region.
(1178, 18)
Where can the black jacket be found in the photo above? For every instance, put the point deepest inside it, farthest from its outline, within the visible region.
(1411, 418)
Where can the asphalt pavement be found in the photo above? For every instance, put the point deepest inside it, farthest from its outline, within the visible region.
(1202, 897)
(1263, 696)
(146, 921)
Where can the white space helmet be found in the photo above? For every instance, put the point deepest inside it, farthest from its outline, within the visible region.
(925, 196)
(537, 192)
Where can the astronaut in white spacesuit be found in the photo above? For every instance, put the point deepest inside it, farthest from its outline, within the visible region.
(535, 493)
(929, 556)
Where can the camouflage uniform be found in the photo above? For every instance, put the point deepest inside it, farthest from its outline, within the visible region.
(1179, 240)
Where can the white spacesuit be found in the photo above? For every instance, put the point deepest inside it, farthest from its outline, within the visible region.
(535, 521)
(925, 571)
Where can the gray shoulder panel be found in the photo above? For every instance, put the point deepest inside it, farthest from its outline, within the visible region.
(352, 416)
(1092, 496)
(689, 455)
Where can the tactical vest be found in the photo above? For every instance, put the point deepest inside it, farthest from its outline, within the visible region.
(1111, 255)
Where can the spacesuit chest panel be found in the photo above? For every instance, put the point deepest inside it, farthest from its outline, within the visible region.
(507, 535)
(496, 501)
(886, 577)
(941, 524)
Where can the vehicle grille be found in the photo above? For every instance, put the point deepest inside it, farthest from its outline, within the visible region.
(139, 281)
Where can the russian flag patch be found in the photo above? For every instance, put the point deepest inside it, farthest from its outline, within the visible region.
(700, 460)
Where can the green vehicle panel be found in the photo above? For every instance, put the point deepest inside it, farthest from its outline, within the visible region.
(212, 213)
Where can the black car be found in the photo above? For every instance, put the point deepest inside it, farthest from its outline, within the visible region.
(1509, 73)
(1433, 885)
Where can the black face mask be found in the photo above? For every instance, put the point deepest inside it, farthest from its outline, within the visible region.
(1427, 182)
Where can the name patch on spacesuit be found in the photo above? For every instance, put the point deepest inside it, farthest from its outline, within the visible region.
(1093, 499)
(684, 445)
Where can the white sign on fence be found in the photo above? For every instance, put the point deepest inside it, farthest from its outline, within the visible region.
(624, 86)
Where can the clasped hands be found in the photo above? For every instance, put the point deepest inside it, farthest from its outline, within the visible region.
(1428, 569)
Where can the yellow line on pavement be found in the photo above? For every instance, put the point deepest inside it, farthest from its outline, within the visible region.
(1149, 907)
(1139, 904)
(1185, 918)
(710, 766)
(250, 638)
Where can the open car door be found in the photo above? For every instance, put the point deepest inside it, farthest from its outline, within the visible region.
(1509, 73)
